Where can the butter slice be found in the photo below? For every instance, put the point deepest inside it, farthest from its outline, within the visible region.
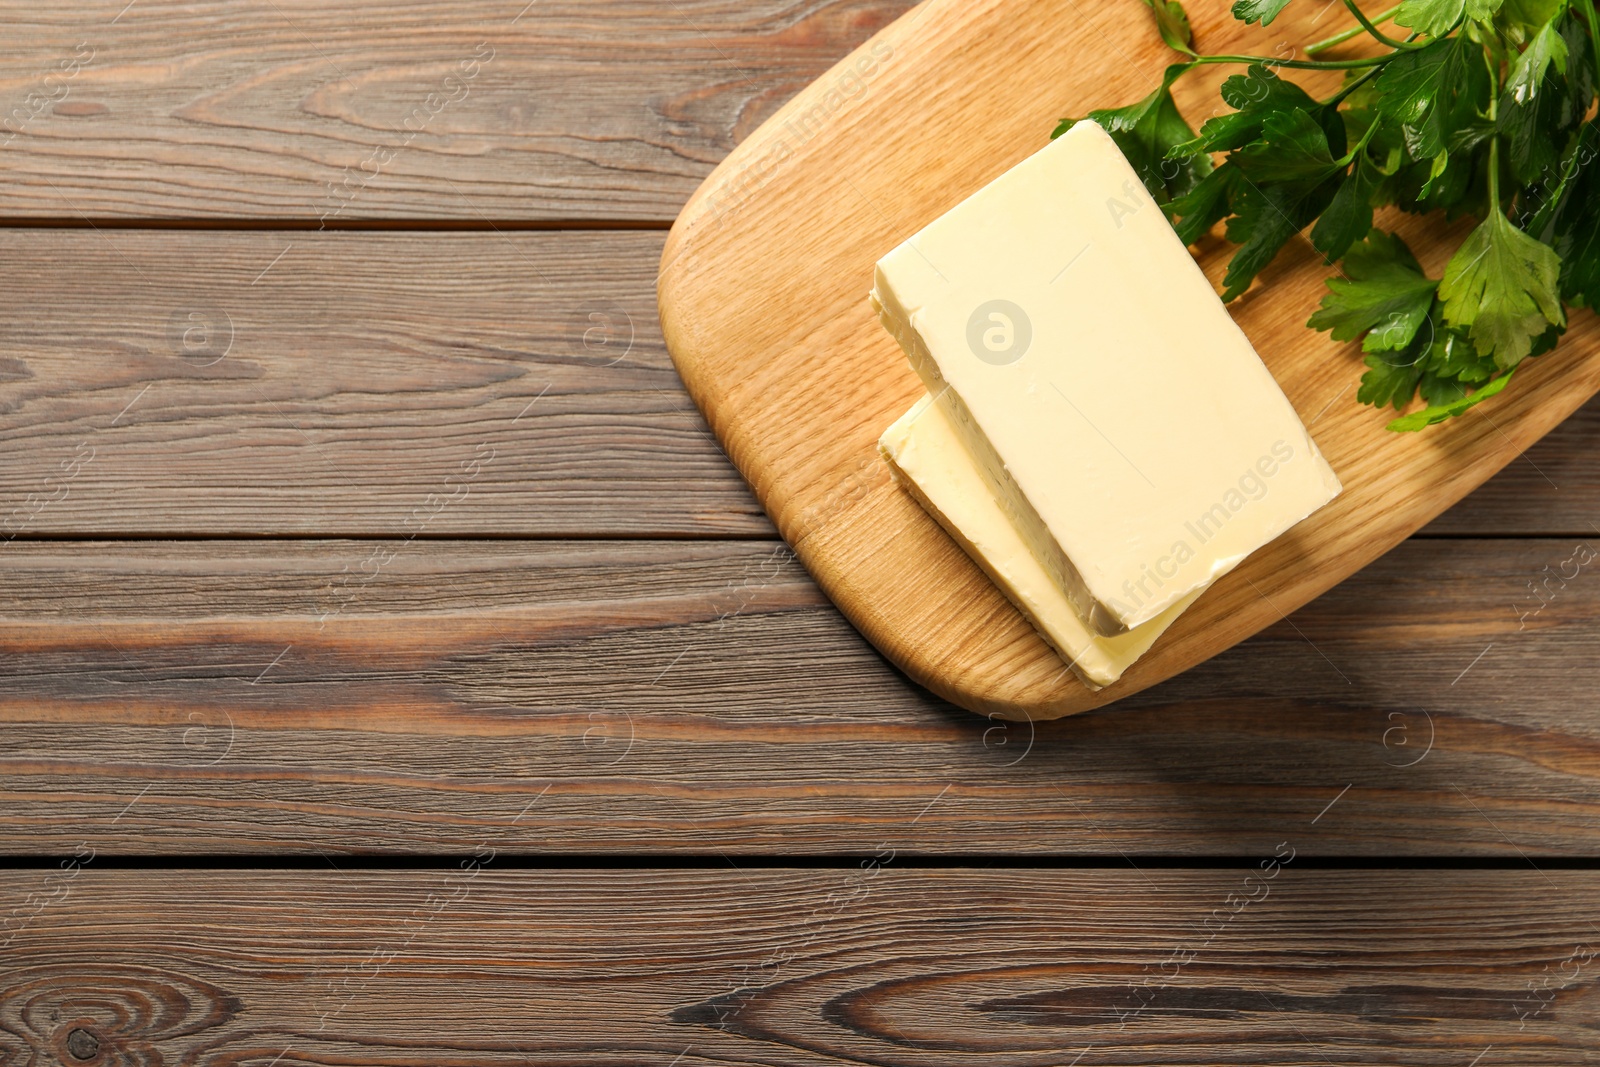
(1122, 420)
(927, 456)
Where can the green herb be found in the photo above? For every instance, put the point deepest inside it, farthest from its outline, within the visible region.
(1471, 107)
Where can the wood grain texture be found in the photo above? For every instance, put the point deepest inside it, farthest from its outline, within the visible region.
(475, 966)
(1553, 488)
(491, 109)
(397, 385)
(798, 379)
(359, 371)
(704, 697)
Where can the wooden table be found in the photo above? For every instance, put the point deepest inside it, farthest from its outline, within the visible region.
(393, 670)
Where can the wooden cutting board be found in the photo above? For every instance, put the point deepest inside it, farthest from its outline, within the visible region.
(763, 296)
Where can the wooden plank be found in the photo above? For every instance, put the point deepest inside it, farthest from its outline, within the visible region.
(798, 378)
(365, 369)
(494, 109)
(395, 385)
(473, 965)
(668, 697)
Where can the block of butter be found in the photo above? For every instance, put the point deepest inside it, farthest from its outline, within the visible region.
(927, 456)
(1122, 421)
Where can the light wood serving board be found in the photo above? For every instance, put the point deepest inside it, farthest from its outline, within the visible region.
(763, 296)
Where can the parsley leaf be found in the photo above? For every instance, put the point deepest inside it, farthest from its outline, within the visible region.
(1206, 204)
(1391, 378)
(1454, 357)
(1431, 18)
(1535, 115)
(1384, 294)
(1580, 66)
(1172, 22)
(1502, 286)
(1262, 11)
(1146, 131)
(1421, 420)
(1256, 94)
(1265, 218)
(1531, 136)
(1435, 18)
(1288, 178)
(1431, 91)
(1438, 362)
(1547, 48)
(1518, 19)
(1293, 148)
(1577, 224)
(1450, 363)
(1349, 216)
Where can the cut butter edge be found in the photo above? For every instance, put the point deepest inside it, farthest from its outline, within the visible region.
(925, 453)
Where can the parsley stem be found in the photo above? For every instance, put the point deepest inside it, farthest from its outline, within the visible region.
(1354, 31)
(1494, 138)
(1301, 64)
(1366, 24)
(1350, 87)
(1361, 146)
(1494, 172)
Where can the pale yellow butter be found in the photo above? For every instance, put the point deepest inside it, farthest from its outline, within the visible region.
(927, 456)
(1118, 416)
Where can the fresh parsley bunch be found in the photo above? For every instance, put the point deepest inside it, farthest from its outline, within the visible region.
(1474, 107)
